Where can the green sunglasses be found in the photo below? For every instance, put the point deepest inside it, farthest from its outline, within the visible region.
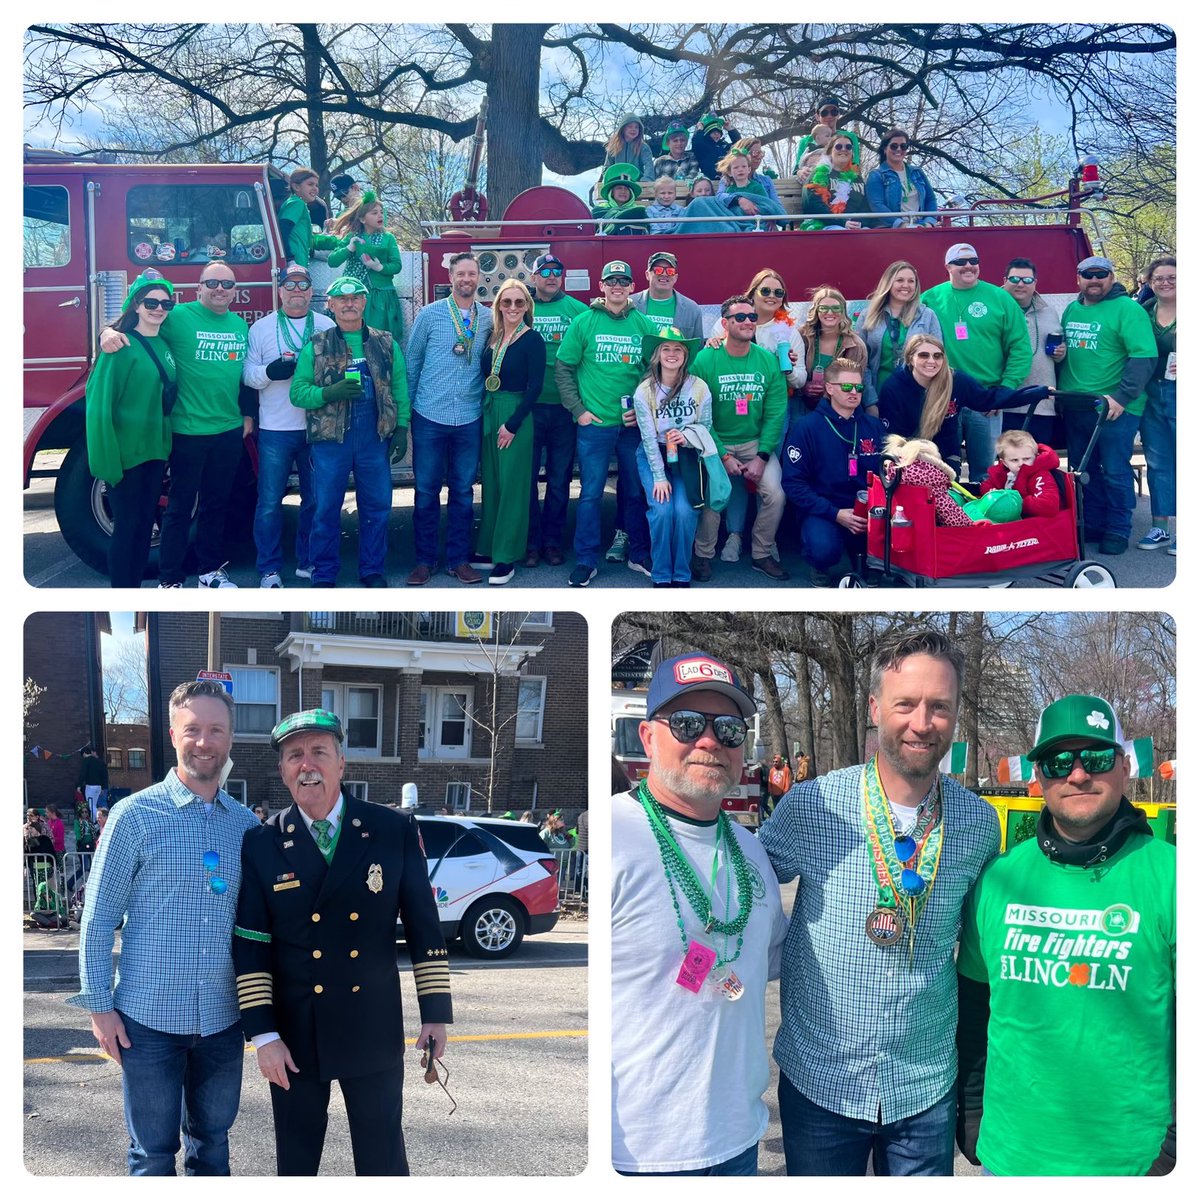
(1060, 765)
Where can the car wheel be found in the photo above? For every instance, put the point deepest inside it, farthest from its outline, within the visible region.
(492, 928)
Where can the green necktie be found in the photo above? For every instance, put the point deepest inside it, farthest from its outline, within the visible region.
(324, 841)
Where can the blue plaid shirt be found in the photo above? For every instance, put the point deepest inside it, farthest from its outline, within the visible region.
(446, 387)
(862, 1031)
(176, 968)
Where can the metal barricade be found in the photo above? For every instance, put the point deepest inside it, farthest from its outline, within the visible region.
(55, 881)
(572, 878)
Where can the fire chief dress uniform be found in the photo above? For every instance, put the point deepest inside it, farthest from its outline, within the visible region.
(315, 955)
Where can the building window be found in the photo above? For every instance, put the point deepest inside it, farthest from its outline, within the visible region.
(237, 789)
(256, 700)
(458, 797)
(355, 787)
(188, 223)
(115, 760)
(47, 241)
(360, 709)
(531, 701)
(136, 759)
(538, 620)
(445, 729)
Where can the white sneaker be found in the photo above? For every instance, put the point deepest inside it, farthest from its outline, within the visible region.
(216, 579)
(271, 580)
(733, 548)
(304, 572)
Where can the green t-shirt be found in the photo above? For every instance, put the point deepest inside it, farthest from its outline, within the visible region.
(551, 319)
(1081, 1038)
(608, 353)
(661, 312)
(984, 331)
(749, 397)
(209, 352)
(1100, 339)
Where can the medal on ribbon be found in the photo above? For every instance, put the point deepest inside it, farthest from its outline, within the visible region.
(464, 330)
(492, 382)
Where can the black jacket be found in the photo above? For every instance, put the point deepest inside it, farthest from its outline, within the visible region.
(314, 946)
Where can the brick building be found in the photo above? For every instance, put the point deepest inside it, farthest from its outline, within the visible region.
(62, 655)
(419, 699)
(127, 752)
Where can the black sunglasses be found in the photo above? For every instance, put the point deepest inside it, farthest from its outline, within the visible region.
(1094, 273)
(1060, 765)
(964, 262)
(740, 317)
(689, 726)
(897, 145)
(829, 112)
(297, 285)
(618, 281)
(778, 293)
(213, 284)
(1020, 279)
(151, 304)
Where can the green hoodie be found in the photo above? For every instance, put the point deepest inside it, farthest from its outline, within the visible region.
(996, 347)
(600, 360)
(749, 397)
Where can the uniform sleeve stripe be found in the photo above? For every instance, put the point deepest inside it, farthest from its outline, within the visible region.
(255, 1003)
(425, 989)
(252, 935)
(425, 968)
(252, 998)
(254, 977)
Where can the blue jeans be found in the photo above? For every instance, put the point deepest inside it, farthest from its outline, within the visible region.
(1108, 496)
(822, 543)
(819, 1142)
(175, 1081)
(980, 433)
(595, 445)
(277, 450)
(672, 526)
(366, 453)
(451, 453)
(745, 1163)
(553, 433)
(1159, 444)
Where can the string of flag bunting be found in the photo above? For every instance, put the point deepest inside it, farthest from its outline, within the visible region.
(1017, 768)
(44, 755)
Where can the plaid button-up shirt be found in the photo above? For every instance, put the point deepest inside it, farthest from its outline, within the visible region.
(862, 1031)
(446, 387)
(176, 967)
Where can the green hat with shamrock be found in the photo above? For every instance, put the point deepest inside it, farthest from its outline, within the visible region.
(311, 720)
(674, 129)
(150, 278)
(620, 173)
(346, 285)
(1076, 718)
(669, 333)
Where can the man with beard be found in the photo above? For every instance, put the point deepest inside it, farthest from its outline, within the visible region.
(696, 928)
(168, 865)
(886, 854)
(323, 885)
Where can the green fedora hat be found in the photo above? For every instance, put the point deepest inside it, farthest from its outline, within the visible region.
(1073, 718)
(669, 333)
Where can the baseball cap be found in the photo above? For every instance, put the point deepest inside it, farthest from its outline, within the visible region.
(616, 267)
(346, 285)
(1097, 262)
(661, 256)
(311, 720)
(296, 271)
(1075, 717)
(961, 250)
(700, 673)
(548, 260)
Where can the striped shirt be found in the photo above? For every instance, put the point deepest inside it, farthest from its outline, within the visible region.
(176, 969)
(446, 387)
(863, 1033)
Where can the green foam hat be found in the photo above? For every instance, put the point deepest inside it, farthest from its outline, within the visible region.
(311, 720)
(711, 121)
(148, 279)
(674, 129)
(669, 333)
(620, 173)
(346, 285)
(1074, 718)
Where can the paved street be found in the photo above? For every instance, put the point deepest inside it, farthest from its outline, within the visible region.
(518, 1069)
(49, 563)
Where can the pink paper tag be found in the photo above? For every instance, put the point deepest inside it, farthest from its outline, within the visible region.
(694, 969)
(960, 331)
(852, 466)
(741, 406)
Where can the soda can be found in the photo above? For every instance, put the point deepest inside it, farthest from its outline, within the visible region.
(860, 504)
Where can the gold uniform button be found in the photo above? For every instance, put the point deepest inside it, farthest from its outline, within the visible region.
(316, 954)
(316, 916)
(354, 988)
(354, 916)
(318, 989)
(353, 953)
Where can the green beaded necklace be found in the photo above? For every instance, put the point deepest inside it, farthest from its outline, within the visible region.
(679, 871)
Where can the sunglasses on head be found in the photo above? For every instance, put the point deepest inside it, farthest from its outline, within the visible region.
(689, 726)
(1094, 273)
(212, 862)
(778, 293)
(849, 387)
(618, 281)
(964, 262)
(1060, 765)
(740, 317)
(213, 284)
(550, 272)
(151, 304)
(660, 269)
(1020, 278)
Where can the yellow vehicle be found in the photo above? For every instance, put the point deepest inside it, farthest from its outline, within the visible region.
(1018, 813)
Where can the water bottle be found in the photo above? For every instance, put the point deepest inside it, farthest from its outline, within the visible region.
(902, 531)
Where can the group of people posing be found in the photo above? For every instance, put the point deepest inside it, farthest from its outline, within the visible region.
(930, 991)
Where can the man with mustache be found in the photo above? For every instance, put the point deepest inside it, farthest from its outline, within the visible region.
(169, 865)
(315, 954)
(696, 926)
(886, 854)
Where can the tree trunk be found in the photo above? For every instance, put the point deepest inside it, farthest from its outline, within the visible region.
(514, 126)
(318, 147)
(804, 705)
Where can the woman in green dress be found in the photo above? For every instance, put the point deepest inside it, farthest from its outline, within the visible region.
(295, 221)
(368, 252)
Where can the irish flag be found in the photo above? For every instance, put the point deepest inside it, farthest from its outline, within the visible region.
(1017, 769)
(1141, 757)
(955, 762)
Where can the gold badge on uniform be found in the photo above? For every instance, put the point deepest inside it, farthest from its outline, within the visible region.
(375, 878)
